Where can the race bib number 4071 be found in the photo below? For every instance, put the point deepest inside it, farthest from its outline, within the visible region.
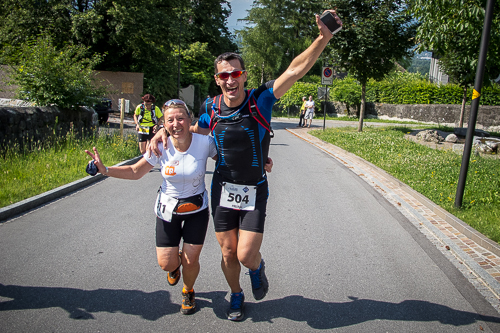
(240, 197)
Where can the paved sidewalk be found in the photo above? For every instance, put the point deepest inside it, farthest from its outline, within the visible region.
(476, 256)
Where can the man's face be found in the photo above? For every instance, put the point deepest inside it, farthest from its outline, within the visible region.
(232, 88)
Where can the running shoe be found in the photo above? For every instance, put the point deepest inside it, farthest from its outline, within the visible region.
(188, 303)
(260, 286)
(174, 276)
(235, 312)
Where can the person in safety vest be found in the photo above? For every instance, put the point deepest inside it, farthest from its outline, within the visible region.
(239, 121)
(147, 122)
(302, 112)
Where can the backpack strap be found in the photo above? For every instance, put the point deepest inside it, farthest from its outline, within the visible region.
(252, 108)
(213, 116)
(255, 112)
(141, 115)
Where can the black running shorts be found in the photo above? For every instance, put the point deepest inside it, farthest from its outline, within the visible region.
(193, 231)
(226, 219)
(146, 137)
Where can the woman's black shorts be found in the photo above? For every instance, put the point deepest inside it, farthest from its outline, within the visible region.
(192, 231)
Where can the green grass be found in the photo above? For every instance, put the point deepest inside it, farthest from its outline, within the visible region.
(433, 173)
(52, 164)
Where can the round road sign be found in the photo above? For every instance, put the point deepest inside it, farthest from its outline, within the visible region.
(327, 72)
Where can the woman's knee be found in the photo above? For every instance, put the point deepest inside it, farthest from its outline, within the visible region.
(168, 258)
(168, 265)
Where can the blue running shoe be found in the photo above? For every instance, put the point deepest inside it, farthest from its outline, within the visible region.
(260, 286)
(235, 312)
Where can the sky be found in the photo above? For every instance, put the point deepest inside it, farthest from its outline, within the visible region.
(239, 10)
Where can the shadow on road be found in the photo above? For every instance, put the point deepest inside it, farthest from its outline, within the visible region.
(327, 315)
(80, 304)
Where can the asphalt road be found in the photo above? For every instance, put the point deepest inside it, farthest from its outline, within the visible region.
(338, 257)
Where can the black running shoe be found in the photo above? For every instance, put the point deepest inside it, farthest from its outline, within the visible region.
(235, 312)
(260, 286)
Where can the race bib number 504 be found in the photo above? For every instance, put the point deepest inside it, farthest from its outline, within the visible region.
(240, 197)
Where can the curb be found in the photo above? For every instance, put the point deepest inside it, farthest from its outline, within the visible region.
(452, 220)
(40, 199)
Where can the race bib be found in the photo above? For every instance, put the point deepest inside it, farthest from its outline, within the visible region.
(143, 130)
(239, 197)
(165, 206)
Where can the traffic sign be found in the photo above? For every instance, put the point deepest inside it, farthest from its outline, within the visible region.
(323, 92)
(327, 76)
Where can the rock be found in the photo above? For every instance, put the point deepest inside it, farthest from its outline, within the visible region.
(430, 136)
(486, 145)
(451, 138)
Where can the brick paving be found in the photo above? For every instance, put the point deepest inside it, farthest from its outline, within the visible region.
(477, 257)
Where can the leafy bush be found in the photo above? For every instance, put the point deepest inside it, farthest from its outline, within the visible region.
(48, 76)
(293, 97)
(347, 91)
(413, 88)
(396, 88)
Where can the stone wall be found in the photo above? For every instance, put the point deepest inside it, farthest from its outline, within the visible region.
(27, 125)
(488, 117)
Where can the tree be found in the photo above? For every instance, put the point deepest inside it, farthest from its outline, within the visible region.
(375, 33)
(135, 35)
(47, 76)
(197, 66)
(277, 31)
(452, 30)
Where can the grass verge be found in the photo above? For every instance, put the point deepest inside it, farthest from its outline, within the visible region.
(50, 165)
(433, 173)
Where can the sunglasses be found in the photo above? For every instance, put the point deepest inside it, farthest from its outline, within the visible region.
(234, 74)
(175, 102)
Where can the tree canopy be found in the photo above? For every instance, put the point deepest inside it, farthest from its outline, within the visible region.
(375, 34)
(129, 35)
(452, 30)
(277, 31)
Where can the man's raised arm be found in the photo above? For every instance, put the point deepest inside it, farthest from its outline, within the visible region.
(304, 61)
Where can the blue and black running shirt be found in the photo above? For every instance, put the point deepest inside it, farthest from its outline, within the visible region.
(242, 143)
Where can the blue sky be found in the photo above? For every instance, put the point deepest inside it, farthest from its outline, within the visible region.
(239, 8)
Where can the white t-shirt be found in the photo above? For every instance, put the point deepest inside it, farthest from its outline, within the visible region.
(310, 105)
(184, 172)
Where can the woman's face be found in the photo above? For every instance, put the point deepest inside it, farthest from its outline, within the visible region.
(177, 122)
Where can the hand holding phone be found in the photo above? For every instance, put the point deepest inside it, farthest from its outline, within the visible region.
(331, 23)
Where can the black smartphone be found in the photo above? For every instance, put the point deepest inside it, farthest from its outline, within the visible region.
(330, 22)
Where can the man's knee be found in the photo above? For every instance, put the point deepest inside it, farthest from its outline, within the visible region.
(249, 257)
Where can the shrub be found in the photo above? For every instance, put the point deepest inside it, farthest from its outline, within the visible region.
(48, 76)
